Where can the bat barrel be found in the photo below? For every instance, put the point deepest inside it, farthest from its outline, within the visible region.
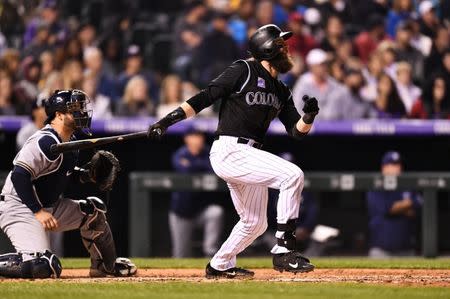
(94, 142)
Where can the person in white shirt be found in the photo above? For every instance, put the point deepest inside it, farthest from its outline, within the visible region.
(333, 97)
(408, 92)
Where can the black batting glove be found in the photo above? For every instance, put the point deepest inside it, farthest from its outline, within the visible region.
(311, 105)
(311, 109)
(156, 131)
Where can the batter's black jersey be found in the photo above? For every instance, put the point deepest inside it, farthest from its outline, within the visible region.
(251, 99)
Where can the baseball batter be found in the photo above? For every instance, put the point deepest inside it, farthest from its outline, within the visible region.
(31, 202)
(252, 97)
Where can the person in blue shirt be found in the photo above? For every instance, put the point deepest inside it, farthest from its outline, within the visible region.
(392, 215)
(190, 210)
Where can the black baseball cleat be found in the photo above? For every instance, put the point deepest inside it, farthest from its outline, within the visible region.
(292, 261)
(236, 273)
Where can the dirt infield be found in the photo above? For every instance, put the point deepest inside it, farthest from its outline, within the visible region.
(413, 277)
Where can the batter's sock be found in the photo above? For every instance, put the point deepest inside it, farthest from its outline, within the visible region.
(285, 235)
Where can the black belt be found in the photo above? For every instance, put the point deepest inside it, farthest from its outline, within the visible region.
(2, 198)
(244, 141)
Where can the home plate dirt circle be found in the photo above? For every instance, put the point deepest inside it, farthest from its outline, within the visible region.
(419, 277)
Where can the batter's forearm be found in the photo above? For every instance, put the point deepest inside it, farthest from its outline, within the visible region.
(188, 110)
(303, 127)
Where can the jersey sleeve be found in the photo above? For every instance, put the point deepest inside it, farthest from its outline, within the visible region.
(36, 157)
(231, 80)
(289, 115)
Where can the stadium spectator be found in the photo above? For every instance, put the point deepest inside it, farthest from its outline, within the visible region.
(367, 41)
(71, 50)
(344, 53)
(362, 11)
(238, 24)
(435, 102)
(409, 93)
(7, 98)
(401, 11)
(54, 81)
(72, 72)
(336, 70)
(392, 215)
(48, 15)
(87, 36)
(47, 60)
(216, 51)
(406, 52)
(41, 41)
(135, 100)
(134, 65)
(429, 22)
(334, 34)
(26, 89)
(371, 73)
(419, 40)
(263, 13)
(111, 49)
(388, 55)
(356, 106)
(101, 104)
(388, 102)
(337, 8)
(281, 11)
(191, 210)
(441, 43)
(10, 60)
(171, 95)
(301, 42)
(11, 23)
(332, 95)
(188, 33)
(38, 117)
(93, 61)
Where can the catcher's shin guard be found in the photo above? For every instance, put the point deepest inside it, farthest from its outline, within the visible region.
(96, 234)
(30, 265)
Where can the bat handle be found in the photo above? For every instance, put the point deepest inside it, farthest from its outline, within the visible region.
(54, 149)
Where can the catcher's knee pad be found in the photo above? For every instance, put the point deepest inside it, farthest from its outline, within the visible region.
(91, 205)
(30, 265)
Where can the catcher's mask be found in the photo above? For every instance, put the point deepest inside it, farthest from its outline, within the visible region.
(75, 102)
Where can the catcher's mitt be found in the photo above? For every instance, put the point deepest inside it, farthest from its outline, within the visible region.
(103, 169)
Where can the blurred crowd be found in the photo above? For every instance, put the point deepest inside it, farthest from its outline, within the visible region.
(361, 59)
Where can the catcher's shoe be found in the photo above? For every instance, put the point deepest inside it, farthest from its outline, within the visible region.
(123, 267)
(236, 273)
(292, 261)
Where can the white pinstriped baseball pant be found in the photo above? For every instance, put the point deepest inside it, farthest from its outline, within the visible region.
(249, 172)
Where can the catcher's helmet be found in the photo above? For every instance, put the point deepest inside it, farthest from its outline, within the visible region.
(264, 43)
(70, 101)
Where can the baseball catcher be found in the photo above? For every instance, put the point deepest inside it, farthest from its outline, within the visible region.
(32, 200)
(252, 97)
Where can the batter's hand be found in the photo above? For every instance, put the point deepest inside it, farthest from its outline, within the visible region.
(46, 219)
(311, 106)
(156, 131)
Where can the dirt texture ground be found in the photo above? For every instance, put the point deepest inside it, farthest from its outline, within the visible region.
(412, 277)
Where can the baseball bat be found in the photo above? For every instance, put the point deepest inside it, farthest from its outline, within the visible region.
(94, 142)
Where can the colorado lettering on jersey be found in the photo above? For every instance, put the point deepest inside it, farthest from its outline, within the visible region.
(262, 98)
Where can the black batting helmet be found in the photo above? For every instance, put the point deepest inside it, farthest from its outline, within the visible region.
(263, 43)
(69, 101)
